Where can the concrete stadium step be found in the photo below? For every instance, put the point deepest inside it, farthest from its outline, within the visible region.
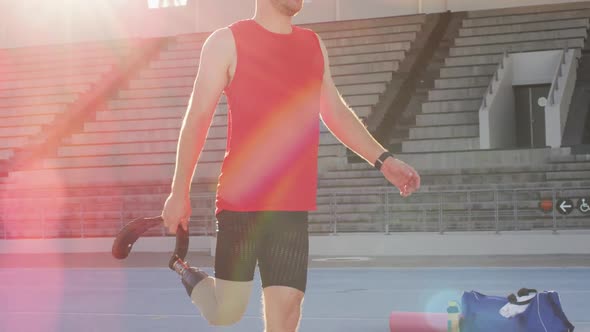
(60, 80)
(193, 51)
(199, 37)
(56, 90)
(186, 91)
(370, 31)
(525, 18)
(473, 60)
(127, 160)
(28, 120)
(115, 126)
(468, 71)
(451, 83)
(49, 73)
(363, 78)
(19, 131)
(32, 111)
(6, 154)
(65, 49)
(372, 67)
(362, 100)
(545, 34)
(194, 47)
(525, 27)
(121, 175)
(444, 131)
(526, 46)
(448, 118)
(568, 175)
(189, 80)
(186, 81)
(136, 136)
(436, 161)
(349, 199)
(13, 142)
(543, 8)
(362, 111)
(362, 89)
(172, 55)
(44, 62)
(154, 93)
(131, 148)
(454, 94)
(369, 57)
(37, 100)
(352, 182)
(360, 68)
(372, 48)
(174, 63)
(65, 64)
(331, 150)
(148, 102)
(138, 114)
(364, 40)
(466, 105)
(366, 23)
(485, 176)
(441, 144)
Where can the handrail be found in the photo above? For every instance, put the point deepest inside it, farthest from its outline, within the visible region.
(385, 208)
(558, 74)
(495, 78)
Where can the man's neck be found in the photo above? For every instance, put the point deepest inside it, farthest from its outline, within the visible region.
(272, 20)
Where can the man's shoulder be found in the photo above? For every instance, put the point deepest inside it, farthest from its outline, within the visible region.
(221, 38)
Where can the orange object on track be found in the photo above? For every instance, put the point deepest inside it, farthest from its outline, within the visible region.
(418, 322)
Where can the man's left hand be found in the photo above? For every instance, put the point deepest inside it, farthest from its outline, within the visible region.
(401, 175)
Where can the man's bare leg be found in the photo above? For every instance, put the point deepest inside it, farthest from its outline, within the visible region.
(282, 308)
(221, 302)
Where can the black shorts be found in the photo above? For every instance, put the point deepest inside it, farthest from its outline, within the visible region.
(277, 240)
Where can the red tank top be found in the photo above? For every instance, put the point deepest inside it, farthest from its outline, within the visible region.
(271, 156)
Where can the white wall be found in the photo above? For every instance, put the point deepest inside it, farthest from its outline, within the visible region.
(534, 67)
(556, 114)
(496, 121)
(395, 244)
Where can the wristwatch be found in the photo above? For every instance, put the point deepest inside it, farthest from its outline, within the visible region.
(379, 162)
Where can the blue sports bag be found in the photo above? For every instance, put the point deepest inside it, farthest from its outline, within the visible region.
(481, 313)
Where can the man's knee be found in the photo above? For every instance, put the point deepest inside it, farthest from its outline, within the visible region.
(282, 308)
(222, 302)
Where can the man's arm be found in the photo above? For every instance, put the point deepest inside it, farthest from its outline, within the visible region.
(348, 129)
(212, 77)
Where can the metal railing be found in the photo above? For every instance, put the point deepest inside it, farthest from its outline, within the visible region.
(495, 209)
(495, 78)
(498, 209)
(557, 76)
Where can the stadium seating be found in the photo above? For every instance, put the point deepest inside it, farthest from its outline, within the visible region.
(119, 165)
(443, 138)
(449, 120)
(133, 140)
(38, 84)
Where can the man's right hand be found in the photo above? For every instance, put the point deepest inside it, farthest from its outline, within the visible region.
(177, 211)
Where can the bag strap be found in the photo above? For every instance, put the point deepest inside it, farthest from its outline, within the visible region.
(522, 292)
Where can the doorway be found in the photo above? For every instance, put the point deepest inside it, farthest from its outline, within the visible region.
(530, 115)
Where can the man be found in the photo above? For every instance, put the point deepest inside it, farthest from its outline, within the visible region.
(277, 80)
